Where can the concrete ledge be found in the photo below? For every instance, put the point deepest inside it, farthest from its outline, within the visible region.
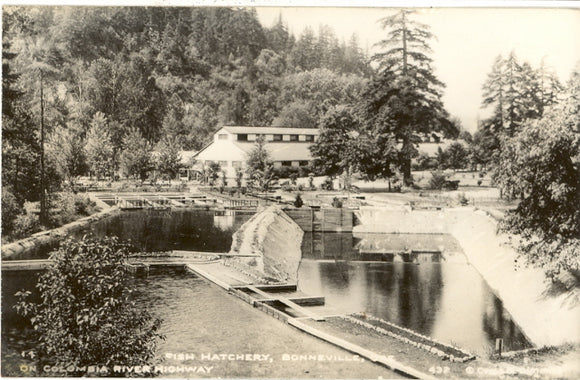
(16, 265)
(196, 270)
(25, 248)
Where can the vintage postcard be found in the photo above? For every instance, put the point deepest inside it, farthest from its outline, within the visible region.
(282, 191)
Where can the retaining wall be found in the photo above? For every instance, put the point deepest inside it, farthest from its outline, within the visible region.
(276, 238)
(37, 244)
(546, 318)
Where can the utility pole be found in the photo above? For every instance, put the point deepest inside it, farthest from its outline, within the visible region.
(43, 210)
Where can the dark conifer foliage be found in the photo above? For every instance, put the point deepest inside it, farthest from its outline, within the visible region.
(403, 100)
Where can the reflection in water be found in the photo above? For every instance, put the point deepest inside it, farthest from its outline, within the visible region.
(446, 300)
(164, 230)
(153, 230)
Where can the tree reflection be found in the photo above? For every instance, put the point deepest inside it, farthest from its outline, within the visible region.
(497, 323)
(152, 230)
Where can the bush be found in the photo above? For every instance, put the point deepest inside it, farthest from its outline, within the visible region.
(298, 202)
(286, 171)
(25, 225)
(327, 184)
(463, 201)
(72, 206)
(336, 203)
(437, 181)
(86, 314)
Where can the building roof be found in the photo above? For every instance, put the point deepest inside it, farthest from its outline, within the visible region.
(272, 130)
(282, 151)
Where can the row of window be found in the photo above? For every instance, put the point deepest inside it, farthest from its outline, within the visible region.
(289, 163)
(244, 137)
(238, 164)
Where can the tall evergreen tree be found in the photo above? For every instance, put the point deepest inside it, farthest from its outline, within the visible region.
(404, 98)
(20, 147)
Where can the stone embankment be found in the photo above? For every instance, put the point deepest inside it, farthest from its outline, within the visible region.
(37, 245)
(275, 238)
(545, 316)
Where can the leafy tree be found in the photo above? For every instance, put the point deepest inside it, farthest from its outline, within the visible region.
(307, 96)
(239, 177)
(426, 162)
(485, 147)
(404, 99)
(99, 148)
(86, 315)
(169, 158)
(67, 150)
(336, 150)
(136, 159)
(296, 115)
(455, 156)
(213, 172)
(542, 166)
(260, 168)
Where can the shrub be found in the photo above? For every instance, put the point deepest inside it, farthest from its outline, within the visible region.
(298, 202)
(463, 201)
(437, 181)
(327, 184)
(336, 203)
(71, 207)
(25, 225)
(86, 315)
(304, 171)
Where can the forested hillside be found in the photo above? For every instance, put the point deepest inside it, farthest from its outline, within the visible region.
(176, 72)
(97, 89)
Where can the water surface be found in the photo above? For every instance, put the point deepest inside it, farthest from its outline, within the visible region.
(447, 300)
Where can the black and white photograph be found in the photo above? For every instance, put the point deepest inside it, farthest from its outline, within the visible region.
(252, 190)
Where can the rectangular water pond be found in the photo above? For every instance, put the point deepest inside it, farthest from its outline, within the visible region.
(447, 300)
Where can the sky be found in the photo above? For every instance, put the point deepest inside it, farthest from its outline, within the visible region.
(468, 41)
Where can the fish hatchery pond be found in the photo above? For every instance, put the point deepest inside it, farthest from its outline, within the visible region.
(443, 298)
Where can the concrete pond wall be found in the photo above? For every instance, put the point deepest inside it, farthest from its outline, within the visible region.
(546, 317)
(37, 244)
(275, 239)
